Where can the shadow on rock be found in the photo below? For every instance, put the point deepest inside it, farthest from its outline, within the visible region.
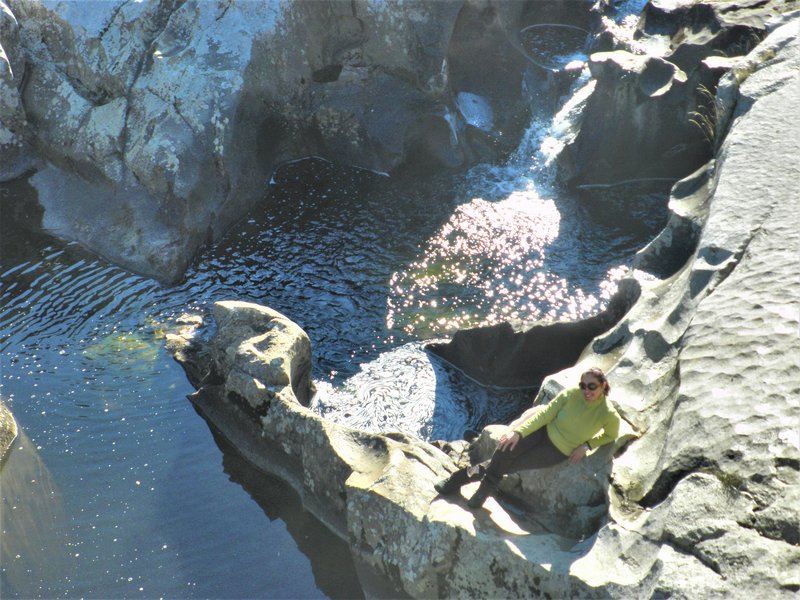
(499, 355)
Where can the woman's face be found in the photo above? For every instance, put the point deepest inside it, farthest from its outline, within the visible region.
(588, 382)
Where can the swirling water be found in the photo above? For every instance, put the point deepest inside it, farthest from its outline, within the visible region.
(117, 488)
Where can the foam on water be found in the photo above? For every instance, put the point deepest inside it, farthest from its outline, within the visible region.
(408, 390)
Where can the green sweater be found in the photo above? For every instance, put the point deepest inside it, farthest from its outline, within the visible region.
(571, 421)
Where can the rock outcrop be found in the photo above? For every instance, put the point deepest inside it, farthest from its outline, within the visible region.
(711, 371)
(700, 502)
(16, 155)
(161, 123)
(652, 112)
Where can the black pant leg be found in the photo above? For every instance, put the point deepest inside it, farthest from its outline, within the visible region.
(535, 451)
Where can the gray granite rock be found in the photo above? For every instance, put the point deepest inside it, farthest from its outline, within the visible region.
(725, 398)
(17, 155)
(172, 116)
(653, 111)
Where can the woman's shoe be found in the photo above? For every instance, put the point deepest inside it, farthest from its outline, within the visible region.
(449, 486)
(481, 494)
(471, 435)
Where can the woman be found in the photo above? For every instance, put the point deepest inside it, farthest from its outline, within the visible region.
(576, 421)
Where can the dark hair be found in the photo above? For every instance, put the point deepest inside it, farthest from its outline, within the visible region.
(600, 376)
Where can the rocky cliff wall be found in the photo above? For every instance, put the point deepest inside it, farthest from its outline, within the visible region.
(154, 126)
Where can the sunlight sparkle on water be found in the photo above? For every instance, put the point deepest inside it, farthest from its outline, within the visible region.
(485, 266)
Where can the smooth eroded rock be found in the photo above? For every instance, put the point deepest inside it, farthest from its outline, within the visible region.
(8, 431)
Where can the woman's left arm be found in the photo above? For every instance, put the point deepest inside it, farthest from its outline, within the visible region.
(609, 433)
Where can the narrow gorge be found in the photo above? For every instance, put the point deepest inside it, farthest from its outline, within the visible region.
(363, 228)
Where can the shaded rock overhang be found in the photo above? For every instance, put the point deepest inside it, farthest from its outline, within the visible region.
(501, 356)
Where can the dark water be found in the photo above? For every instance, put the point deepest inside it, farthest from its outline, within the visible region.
(119, 489)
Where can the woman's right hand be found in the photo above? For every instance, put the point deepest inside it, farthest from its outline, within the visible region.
(508, 441)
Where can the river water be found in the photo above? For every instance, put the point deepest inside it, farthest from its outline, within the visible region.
(117, 488)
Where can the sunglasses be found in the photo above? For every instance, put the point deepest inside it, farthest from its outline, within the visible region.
(588, 386)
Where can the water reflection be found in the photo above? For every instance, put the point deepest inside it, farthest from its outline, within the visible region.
(331, 560)
(555, 46)
(34, 524)
(484, 266)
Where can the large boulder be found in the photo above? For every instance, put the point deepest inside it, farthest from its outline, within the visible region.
(636, 124)
(161, 123)
(17, 155)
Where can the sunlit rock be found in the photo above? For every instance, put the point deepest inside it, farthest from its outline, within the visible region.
(375, 490)
(8, 430)
(571, 500)
(706, 352)
(653, 116)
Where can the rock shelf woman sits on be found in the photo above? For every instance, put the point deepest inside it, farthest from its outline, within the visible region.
(577, 420)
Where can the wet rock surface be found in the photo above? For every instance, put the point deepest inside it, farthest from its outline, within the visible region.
(698, 499)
